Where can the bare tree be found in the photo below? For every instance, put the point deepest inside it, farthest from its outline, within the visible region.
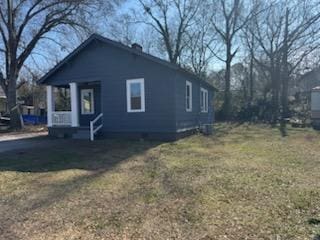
(286, 32)
(267, 32)
(300, 38)
(23, 24)
(229, 19)
(123, 28)
(201, 42)
(171, 19)
(250, 43)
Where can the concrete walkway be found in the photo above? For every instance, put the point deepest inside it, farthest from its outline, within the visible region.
(20, 141)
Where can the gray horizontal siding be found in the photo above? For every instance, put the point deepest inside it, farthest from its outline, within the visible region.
(194, 118)
(112, 67)
(164, 90)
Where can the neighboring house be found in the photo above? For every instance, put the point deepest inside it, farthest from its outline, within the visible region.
(28, 110)
(307, 81)
(3, 102)
(35, 107)
(32, 99)
(127, 93)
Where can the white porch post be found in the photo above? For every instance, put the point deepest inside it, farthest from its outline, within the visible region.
(74, 104)
(50, 104)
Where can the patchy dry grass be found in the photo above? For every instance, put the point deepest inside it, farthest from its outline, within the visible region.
(245, 182)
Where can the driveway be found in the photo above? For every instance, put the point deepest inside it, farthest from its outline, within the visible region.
(20, 141)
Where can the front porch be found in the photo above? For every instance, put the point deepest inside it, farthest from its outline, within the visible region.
(74, 112)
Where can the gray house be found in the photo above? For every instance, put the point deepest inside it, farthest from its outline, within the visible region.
(120, 91)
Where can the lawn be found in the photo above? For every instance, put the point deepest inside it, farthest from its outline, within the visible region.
(244, 182)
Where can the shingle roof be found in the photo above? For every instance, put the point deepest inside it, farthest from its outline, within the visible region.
(122, 46)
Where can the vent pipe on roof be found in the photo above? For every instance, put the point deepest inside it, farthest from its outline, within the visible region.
(136, 46)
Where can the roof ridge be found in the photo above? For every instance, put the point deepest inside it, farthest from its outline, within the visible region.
(125, 47)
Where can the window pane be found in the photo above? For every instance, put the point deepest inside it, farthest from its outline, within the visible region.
(135, 94)
(87, 102)
(188, 103)
(188, 97)
(135, 103)
(201, 100)
(206, 101)
(135, 90)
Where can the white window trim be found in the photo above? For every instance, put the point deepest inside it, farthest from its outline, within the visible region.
(129, 82)
(83, 91)
(204, 108)
(190, 98)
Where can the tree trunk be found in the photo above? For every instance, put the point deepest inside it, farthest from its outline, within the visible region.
(275, 82)
(285, 71)
(15, 121)
(12, 76)
(285, 78)
(227, 93)
(251, 74)
(285, 87)
(12, 70)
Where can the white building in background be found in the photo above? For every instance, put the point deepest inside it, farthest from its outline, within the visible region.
(315, 107)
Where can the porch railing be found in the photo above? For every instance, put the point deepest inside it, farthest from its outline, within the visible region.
(94, 129)
(61, 118)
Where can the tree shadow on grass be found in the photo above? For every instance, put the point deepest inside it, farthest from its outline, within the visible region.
(97, 158)
(316, 237)
(221, 130)
(237, 132)
(283, 129)
(72, 154)
(314, 221)
(49, 194)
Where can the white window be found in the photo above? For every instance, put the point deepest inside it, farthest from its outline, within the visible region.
(87, 101)
(135, 95)
(188, 96)
(203, 100)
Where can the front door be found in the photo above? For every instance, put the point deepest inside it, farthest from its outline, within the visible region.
(90, 103)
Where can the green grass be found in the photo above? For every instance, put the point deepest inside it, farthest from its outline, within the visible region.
(244, 182)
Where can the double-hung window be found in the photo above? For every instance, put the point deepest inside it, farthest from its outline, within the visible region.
(188, 96)
(135, 95)
(203, 100)
(87, 101)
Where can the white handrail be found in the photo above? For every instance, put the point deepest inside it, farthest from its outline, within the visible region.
(92, 130)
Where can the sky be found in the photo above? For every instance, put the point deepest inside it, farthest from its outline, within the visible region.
(57, 53)
(48, 53)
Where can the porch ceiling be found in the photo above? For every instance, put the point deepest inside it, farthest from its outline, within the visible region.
(78, 84)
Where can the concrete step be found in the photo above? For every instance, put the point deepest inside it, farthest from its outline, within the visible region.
(82, 134)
